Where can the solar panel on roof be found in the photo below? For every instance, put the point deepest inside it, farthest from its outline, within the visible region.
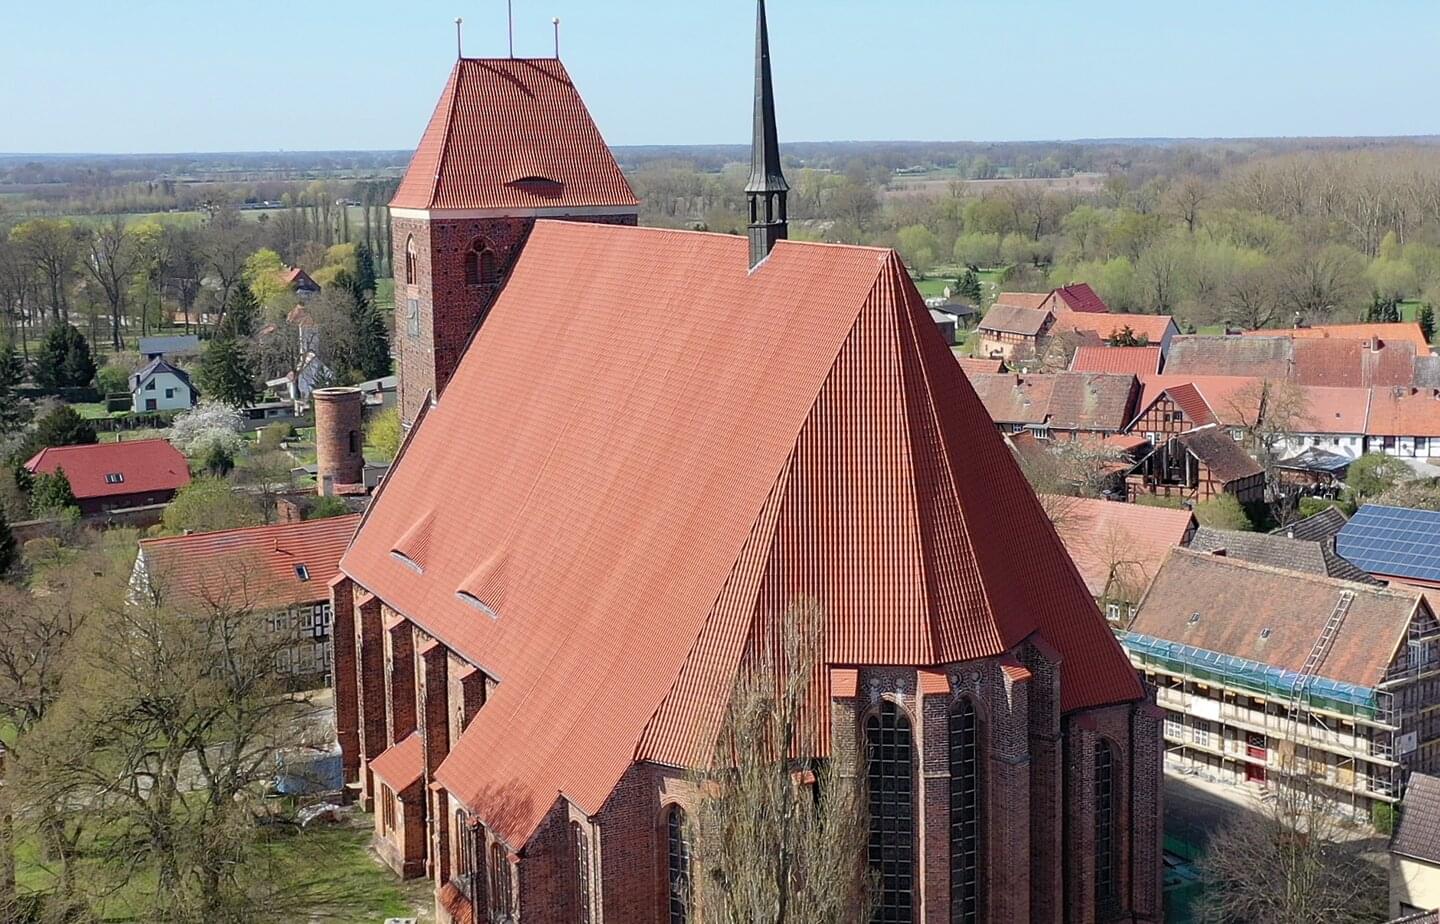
(1395, 541)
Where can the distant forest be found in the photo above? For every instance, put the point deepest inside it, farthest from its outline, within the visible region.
(1241, 232)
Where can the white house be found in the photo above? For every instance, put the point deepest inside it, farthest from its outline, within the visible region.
(161, 387)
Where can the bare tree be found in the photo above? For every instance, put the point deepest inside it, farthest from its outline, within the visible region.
(1185, 199)
(113, 261)
(781, 831)
(1290, 864)
(1271, 413)
(1252, 298)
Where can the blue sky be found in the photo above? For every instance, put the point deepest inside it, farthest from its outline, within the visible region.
(167, 75)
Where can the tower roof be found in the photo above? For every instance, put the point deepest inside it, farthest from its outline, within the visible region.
(765, 172)
(512, 133)
(633, 495)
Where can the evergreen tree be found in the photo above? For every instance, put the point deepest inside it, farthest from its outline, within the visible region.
(60, 427)
(227, 372)
(9, 548)
(969, 287)
(1425, 317)
(243, 313)
(1125, 337)
(14, 412)
(63, 359)
(51, 494)
(372, 341)
(364, 267)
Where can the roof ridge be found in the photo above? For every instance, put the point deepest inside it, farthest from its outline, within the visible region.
(165, 540)
(1291, 573)
(452, 91)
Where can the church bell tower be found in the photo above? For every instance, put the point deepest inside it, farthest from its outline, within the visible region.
(767, 189)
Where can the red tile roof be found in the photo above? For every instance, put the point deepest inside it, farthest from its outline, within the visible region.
(1404, 412)
(1012, 319)
(1065, 400)
(402, 764)
(1080, 297)
(1232, 400)
(1333, 410)
(718, 444)
(1133, 360)
(254, 567)
(143, 466)
(977, 366)
(1032, 300)
(1335, 363)
(512, 134)
(1152, 327)
(1227, 462)
(1410, 332)
(1113, 543)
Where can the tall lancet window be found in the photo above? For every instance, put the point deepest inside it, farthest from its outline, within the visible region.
(1107, 887)
(677, 863)
(481, 269)
(890, 771)
(967, 807)
(412, 256)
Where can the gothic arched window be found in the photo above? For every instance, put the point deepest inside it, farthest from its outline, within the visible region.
(412, 254)
(677, 864)
(890, 771)
(1107, 887)
(481, 268)
(967, 807)
(583, 890)
(502, 904)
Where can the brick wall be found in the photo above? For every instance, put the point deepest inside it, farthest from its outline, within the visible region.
(402, 847)
(371, 692)
(343, 678)
(448, 309)
(400, 680)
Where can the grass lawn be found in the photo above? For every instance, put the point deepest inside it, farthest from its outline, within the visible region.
(321, 874)
(93, 411)
(385, 293)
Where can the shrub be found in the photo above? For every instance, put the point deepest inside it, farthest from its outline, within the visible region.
(1373, 474)
(61, 427)
(1223, 512)
(274, 434)
(383, 434)
(112, 380)
(208, 424)
(209, 504)
(325, 508)
(1382, 816)
(51, 494)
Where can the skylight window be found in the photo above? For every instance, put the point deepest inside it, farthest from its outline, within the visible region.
(302, 572)
(1194, 618)
(1264, 633)
(115, 478)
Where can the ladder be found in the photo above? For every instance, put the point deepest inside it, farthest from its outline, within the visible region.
(1317, 655)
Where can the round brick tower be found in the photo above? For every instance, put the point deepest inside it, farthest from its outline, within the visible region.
(339, 437)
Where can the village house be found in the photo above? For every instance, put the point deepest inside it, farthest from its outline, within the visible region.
(1031, 301)
(1137, 361)
(1153, 329)
(1415, 851)
(1271, 672)
(535, 643)
(161, 347)
(1312, 556)
(1335, 363)
(1060, 406)
(1118, 548)
(1393, 544)
(1197, 465)
(161, 387)
(1334, 420)
(278, 573)
(299, 282)
(1404, 422)
(1172, 404)
(114, 476)
(1076, 297)
(972, 366)
(1007, 328)
(1388, 332)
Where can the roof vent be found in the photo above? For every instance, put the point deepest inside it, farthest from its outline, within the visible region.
(474, 601)
(407, 561)
(1194, 618)
(302, 572)
(1264, 633)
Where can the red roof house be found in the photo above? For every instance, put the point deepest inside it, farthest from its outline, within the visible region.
(112, 476)
(1407, 331)
(649, 486)
(512, 133)
(1146, 360)
(1118, 547)
(1077, 296)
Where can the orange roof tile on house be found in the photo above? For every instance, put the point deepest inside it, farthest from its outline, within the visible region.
(1144, 360)
(1152, 327)
(1230, 400)
(1404, 412)
(402, 764)
(1405, 331)
(260, 567)
(1332, 410)
(1079, 297)
(700, 449)
(512, 133)
(1113, 543)
(1035, 301)
(974, 365)
(1090, 401)
(1335, 363)
(103, 470)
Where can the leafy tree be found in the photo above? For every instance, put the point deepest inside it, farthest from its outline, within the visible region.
(264, 275)
(51, 494)
(325, 508)
(1223, 512)
(1126, 337)
(209, 504)
(1373, 474)
(1420, 494)
(14, 412)
(1425, 317)
(383, 434)
(918, 245)
(227, 372)
(63, 359)
(217, 460)
(111, 380)
(968, 287)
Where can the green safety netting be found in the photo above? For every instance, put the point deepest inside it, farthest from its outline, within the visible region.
(1202, 664)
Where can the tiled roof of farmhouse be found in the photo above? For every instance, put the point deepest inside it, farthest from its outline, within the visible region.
(113, 469)
(1408, 331)
(1080, 297)
(618, 505)
(512, 133)
(1011, 319)
(259, 567)
(1133, 360)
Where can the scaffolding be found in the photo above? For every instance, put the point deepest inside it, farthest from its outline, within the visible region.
(1354, 724)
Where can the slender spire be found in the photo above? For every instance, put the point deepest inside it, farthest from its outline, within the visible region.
(767, 189)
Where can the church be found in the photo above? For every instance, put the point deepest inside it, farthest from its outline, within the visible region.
(629, 451)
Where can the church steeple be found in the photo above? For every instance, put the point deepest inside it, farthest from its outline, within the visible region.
(767, 189)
